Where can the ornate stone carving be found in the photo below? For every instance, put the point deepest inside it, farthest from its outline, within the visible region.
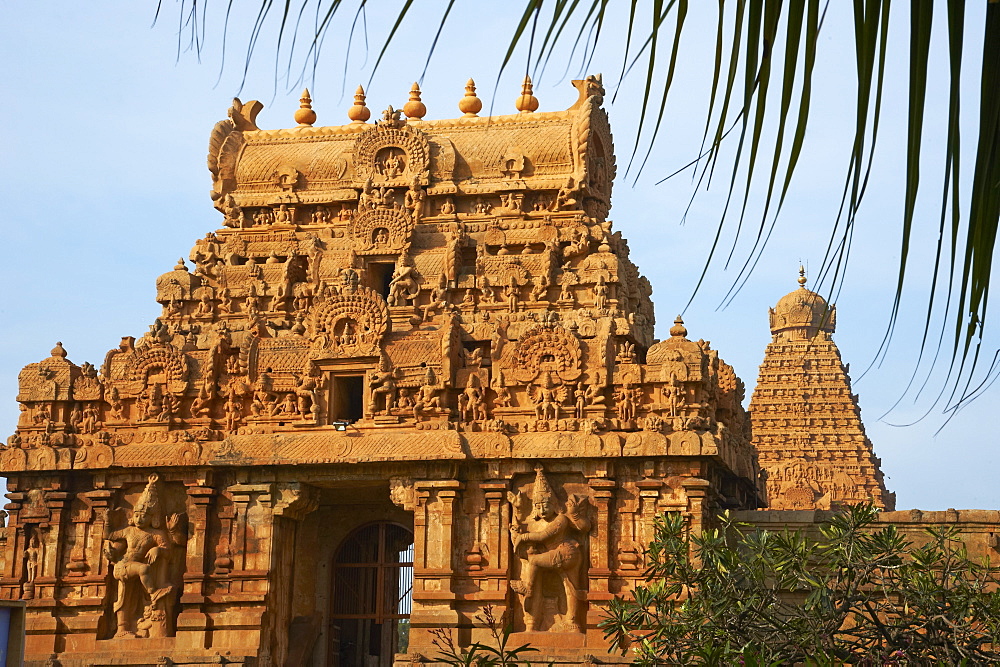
(546, 348)
(158, 365)
(548, 542)
(392, 153)
(418, 307)
(147, 556)
(381, 230)
(350, 323)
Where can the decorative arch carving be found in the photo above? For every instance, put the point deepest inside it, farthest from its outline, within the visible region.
(392, 154)
(163, 357)
(381, 230)
(350, 324)
(546, 347)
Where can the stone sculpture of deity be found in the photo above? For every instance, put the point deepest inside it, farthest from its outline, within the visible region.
(144, 556)
(549, 543)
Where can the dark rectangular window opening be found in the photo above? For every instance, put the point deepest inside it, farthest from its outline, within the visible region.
(379, 277)
(348, 398)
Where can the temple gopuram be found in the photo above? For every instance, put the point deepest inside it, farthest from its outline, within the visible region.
(807, 430)
(411, 380)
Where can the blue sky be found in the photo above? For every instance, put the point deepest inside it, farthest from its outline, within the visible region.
(104, 185)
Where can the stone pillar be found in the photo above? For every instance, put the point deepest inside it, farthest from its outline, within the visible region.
(649, 496)
(42, 626)
(193, 622)
(601, 495)
(497, 536)
(246, 584)
(292, 501)
(433, 561)
(13, 564)
(697, 491)
(100, 504)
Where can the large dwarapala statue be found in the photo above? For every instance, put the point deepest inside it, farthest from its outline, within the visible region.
(549, 542)
(148, 557)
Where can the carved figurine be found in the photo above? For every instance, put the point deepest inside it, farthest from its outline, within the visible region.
(427, 396)
(447, 206)
(413, 200)
(579, 401)
(600, 294)
(548, 541)
(306, 395)
(626, 401)
(487, 293)
(540, 290)
(475, 401)
(383, 387)
(595, 391)
(439, 299)
(403, 286)
(548, 398)
(512, 292)
(33, 557)
(234, 410)
(143, 554)
(499, 387)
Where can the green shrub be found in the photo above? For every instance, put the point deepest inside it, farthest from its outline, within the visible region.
(859, 595)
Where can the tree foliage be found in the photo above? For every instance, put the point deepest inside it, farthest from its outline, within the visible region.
(858, 595)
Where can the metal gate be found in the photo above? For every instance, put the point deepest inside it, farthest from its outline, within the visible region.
(372, 594)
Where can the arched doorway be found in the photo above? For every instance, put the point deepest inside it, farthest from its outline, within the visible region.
(371, 596)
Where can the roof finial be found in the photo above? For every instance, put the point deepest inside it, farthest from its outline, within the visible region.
(527, 102)
(470, 104)
(678, 330)
(802, 276)
(58, 351)
(414, 108)
(359, 113)
(304, 115)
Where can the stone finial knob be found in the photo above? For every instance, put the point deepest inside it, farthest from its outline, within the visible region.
(304, 115)
(58, 351)
(414, 108)
(527, 102)
(678, 329)
(470, 104)
(180, 265)
(359, 113)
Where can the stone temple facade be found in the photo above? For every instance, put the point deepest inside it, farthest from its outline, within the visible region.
(412, 377)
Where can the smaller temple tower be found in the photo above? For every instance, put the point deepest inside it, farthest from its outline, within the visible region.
(807, 428)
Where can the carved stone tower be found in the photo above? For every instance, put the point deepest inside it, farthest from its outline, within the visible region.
(807, 429)
(413, 374)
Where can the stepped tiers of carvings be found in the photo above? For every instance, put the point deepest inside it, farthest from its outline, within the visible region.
(412, 374)
(807, 430)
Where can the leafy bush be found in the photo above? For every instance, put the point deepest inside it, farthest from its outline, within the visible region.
(478, 654)
(859, 595)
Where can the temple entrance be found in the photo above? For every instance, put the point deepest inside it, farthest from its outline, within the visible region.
(372, 595)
